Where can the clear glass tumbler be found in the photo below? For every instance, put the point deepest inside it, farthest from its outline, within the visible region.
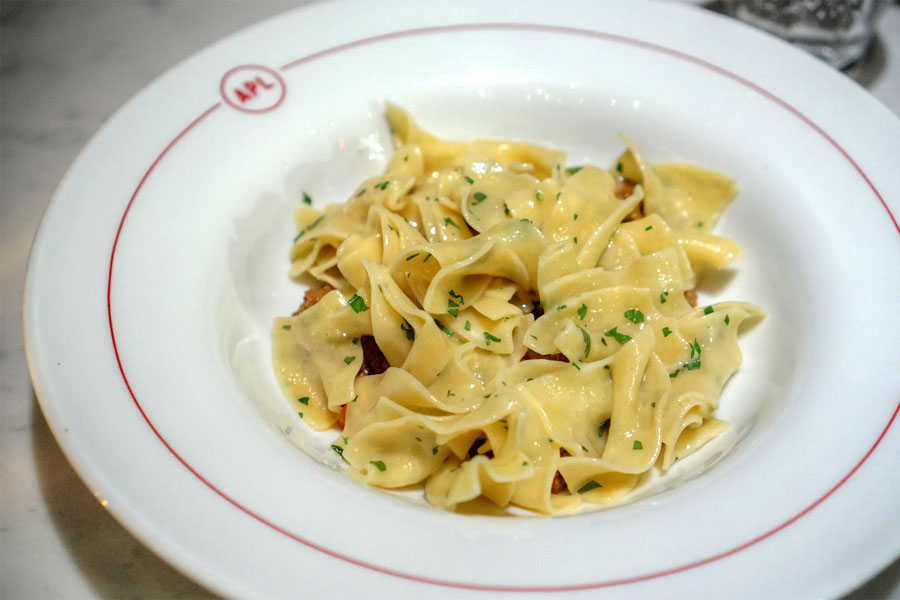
(837, 31)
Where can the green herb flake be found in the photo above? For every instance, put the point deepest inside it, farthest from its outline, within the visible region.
(349, 359)
(573, 170)
(425, 260)
(303, 400)
(479, 197)
(354, 341)
(539, 195)
(619, 167)
(378, 465)
(488, 338)
(360, 192)
(604, 425)
(707, 310)
(587, 342)
(637, 445)
(603, 341)
(590, 485)
(634, 315)
(383, 185)
(505, 209)
(666, 331)
(674, 374)
(412, 256)
(306, 198)
(308, 227)
(561, 307)
(357, 303)
(575, 217)
(452, 307)
(470, 180)
(700, 224)
(434, 450)
(467, 326)
(727, 320)
(286, 327)
(575, 239)
(648, 227)
(300, 413)
(408, 330)
(653, 405)
(582, 311)
(577, 368)
(442, 328)
(355, 398)
(620, 337)
(450, 222)
(338, 449)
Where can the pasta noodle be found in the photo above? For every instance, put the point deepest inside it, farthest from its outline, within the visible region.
(536, 344)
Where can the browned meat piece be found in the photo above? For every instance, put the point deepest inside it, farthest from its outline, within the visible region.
(311, 297)
(637, 213)
(691, 297)
(532, 355)
(559, 484)
(624, 188)
(374, 362)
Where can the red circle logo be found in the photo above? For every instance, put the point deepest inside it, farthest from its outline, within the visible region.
(252, 88)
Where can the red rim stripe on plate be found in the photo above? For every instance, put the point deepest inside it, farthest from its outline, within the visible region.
(498, 27)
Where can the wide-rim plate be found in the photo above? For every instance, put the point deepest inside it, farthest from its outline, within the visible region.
(144, 339)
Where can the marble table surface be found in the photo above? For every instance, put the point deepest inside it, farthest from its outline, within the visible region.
(66, 67)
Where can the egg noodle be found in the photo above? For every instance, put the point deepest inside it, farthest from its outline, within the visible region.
(536, 344)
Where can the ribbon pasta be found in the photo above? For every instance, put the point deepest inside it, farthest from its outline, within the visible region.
(538, 344)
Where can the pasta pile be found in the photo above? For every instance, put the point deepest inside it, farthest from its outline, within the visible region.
(536, 347)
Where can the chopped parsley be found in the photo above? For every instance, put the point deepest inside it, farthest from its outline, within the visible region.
(450, 222)
(694, 363)
(338, 449)
(412, 256)
(378, 465)
(539, 195)
(634, 315)
(587, 342)
(442, 328)
(666, 331)
(479, 197)
(349, 359)
(582, 311)
(408, 330)
(648, 227)
(573, 170)
(360, 192)
(303, 400)
(662, 297)
(575, 217)
(700, 224)
(470, 180)
(727, 320)
(300, 413)
(452, 307)
(604, 425)
(285, 327)
(561, 307)
(637, 445)
(308, 227)
(619, 167)
(306, 198)
(434, 450)
(707, 310)
(488, 338)
(357, 303)
(620, 337)
(590, 485)
(467, 326)
(383, 185)
(505, 209)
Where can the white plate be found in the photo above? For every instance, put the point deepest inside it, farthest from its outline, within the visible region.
(162, 260)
